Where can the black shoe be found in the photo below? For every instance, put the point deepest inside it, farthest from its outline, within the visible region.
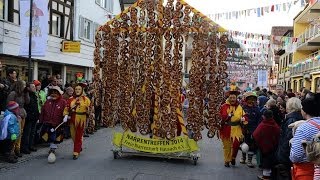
(26, 151)
(233, 162)
(85, 135)
(33, 149)
(18, 154)
(11, 159)
(226, 164)
(75, 157)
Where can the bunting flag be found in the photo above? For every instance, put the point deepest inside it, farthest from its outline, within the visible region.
(259, 11)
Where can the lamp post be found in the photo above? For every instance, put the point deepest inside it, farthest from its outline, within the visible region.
(30, 43)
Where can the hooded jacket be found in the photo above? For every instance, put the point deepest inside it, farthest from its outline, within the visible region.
(267, 135)
(283, 151)
(52, 111)
(254, 117)
(13, 124)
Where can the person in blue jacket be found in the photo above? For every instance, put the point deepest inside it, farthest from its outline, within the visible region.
(11, 123)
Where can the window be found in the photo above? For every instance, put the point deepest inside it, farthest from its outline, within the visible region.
(106, 4)
(86, 28)
(13, 11)
(56, 24)
(1, 9)
(61, 19)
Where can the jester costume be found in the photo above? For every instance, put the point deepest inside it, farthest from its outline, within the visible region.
(232, 116)
(77, 109)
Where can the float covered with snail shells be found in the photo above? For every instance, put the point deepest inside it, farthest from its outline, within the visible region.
(138, 64)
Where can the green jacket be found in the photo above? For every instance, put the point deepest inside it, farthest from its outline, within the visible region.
(42, 98)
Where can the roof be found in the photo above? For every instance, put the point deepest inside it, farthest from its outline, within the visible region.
(280, 30)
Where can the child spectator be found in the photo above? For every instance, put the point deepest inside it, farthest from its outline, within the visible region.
(266, 137)
(10, 126)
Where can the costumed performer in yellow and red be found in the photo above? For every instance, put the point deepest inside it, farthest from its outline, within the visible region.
(78, 110)
(231, 135)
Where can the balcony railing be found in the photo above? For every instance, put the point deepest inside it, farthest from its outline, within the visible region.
(308, 34)
(306, 67)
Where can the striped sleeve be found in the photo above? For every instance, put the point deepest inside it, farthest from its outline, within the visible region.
(316, 173)
(297, 153)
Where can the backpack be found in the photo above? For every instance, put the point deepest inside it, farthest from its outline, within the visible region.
(4, 127)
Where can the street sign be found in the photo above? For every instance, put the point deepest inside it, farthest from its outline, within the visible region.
(71, 46)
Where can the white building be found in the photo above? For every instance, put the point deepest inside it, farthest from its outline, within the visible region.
(73, 20)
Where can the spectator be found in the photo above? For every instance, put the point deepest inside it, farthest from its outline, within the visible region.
(262, 100)
(41, 95)
(31, 121)
(60, 81)
(53, 82)
(21, 96)
(302, 168)
(282, 109)
(6, 86)
(283, 168)
(266, 137)
(10, 124)
(272, 105)
(66, 96)
(280, 90)
(304, 93)
(46, 81)
(289, 91)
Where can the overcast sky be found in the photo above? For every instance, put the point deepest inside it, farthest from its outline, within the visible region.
(252, 24)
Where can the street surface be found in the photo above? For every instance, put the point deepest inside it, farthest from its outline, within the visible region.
(96, 163)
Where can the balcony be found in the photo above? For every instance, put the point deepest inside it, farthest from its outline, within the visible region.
(307, 66)
(309, 39)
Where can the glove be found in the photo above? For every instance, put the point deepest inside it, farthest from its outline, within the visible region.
(65, 119)
(13, 137)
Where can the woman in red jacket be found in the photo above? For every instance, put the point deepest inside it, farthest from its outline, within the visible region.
(51, 116)
(267, 137)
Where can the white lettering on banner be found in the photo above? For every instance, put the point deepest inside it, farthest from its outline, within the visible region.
(40, 19)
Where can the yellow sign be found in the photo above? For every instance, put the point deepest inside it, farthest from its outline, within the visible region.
(71, 46)
(139, 143)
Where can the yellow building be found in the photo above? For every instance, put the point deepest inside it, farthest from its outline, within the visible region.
(305, 67)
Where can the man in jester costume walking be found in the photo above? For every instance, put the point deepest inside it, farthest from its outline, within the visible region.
(78, 110)
(233, 116)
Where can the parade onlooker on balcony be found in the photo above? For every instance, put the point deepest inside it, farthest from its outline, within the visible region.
(266, 137)
(9, 127)
(283, 168)
(31, 121)
(302, 168)
(21, 96)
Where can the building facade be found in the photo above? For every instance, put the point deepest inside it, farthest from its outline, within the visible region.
(285, 54)
(305, 68)
(273, 57)
(69, 20)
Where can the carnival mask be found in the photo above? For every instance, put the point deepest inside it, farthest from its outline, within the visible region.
(78, 90)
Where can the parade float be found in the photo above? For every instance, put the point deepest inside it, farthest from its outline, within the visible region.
(138, 64)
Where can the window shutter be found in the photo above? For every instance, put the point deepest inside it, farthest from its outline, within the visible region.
(111, 6)
(81, 27)
(95, 28)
